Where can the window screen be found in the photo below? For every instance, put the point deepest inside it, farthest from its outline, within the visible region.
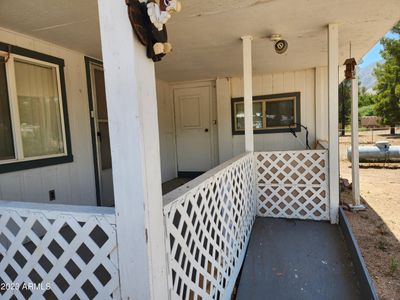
(257, 115)
(280, 113)
(39, 109)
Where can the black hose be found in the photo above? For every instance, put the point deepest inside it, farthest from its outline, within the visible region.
(295, 135)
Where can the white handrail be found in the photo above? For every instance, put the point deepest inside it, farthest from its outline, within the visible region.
(187, 187)
(208, 224)
(78, 211)
(50, 240)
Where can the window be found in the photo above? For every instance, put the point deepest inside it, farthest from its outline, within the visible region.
(34, 129)
(271, 113)
(257, 115)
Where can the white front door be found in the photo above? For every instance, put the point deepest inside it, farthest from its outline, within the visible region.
(193, 128)
(103, 150)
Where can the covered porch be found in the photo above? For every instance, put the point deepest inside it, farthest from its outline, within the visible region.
(293, 259)
(192, 113)
(247, 227)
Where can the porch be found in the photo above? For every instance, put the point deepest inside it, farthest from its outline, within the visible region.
(150, 124)
(242, 215)
(293, 259)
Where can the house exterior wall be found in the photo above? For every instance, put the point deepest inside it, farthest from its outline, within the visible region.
(73, 182)
(321, 103)
(302, 81)
(166, 127)
(311, 83)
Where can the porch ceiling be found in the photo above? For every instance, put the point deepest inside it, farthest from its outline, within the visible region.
(206, 34)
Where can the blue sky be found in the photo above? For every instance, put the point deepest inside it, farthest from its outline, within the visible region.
(373, 54)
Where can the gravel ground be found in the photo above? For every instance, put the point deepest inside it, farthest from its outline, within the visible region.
(378, 227)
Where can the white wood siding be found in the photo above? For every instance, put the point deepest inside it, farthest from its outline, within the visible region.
(72, 182)
(302, 81)
(166, 126)
(321, 103)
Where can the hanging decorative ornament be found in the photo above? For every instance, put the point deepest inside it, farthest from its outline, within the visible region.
(148, 19)
(350, 71)
(350, 64)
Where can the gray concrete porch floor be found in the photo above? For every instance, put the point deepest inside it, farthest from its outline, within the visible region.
(292, 259)
(173, 184)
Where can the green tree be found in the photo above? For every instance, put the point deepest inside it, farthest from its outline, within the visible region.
(344, 103)
(388, 81)
(366, 103)
(365, 99)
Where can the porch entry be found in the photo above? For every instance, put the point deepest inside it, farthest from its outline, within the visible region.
(194, 130)
(100, 134)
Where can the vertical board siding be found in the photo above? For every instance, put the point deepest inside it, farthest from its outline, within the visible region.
(267, 84)
(321, 103)
(224, 120)
(302, 81)
(72, 182)
(310, 120)
(278, 83)
(166, 130)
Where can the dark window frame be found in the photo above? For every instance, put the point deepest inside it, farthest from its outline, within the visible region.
(297, 128)
(6, 90)
(38, 163)
(88, 62)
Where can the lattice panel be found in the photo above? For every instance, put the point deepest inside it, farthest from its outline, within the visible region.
(208, 229)
(75, 253)
(293, 184)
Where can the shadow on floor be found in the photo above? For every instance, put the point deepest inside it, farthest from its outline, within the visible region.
(174, 184)
(292, 259)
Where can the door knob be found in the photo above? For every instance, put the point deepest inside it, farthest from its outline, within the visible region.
(206, 130)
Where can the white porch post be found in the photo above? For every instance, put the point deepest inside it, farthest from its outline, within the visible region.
(354, 143)
(133, 124)
(333, 98)
(248, 93)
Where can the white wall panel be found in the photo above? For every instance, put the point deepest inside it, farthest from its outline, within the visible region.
(72, 182)
(166, 130)
(321, 103)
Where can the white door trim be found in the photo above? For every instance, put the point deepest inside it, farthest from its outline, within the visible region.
(91, 66)
(93, 115)
(211, 84)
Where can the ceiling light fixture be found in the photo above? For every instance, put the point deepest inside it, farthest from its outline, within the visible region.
(281, 45)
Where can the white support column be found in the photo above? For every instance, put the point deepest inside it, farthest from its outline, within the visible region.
(354, 145)
(223, 86)
(133, 124)
(248, 93)
(333, 98)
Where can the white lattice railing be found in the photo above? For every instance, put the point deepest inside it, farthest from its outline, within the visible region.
(57, 252)
(293, 184)
(208, 225)
(70, 252)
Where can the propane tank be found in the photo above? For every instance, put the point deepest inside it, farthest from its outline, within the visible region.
(382, 151)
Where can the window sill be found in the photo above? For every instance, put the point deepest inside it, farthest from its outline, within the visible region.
(264, 131)
(37, 163)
